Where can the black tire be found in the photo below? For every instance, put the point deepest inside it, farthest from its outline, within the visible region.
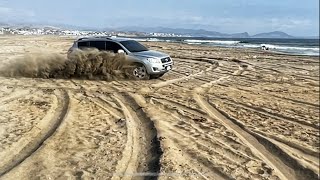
(138, 72)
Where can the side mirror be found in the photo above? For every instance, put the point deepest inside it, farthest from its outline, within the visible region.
(120, 51)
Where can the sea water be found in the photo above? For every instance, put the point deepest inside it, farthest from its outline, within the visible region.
(296, 46)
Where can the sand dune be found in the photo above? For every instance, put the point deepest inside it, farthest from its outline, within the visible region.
(221, 113)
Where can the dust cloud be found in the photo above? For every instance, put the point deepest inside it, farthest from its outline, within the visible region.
(82, 64)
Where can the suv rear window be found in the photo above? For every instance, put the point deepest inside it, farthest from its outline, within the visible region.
(100, 45)
(83, 44)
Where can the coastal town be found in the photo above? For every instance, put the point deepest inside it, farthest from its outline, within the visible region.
(67, 32)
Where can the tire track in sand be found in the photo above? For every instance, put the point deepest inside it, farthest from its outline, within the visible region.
(142, 152)
(206, 171)
(285, 166)
(283, 171)
(274, 115)
(36, 137)
(300, 157)
(214, 65)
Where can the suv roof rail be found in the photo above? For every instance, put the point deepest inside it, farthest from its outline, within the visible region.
(82, 38)
(106, 37)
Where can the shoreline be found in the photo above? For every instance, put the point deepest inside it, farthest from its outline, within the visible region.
(181, 40)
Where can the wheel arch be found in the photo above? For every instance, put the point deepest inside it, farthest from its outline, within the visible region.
(137, 61)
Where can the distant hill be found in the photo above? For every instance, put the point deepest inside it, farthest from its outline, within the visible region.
(240, 35)
(274, 34)
(204, 33)
(182, 31)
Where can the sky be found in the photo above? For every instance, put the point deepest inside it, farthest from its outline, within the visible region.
(295, 17)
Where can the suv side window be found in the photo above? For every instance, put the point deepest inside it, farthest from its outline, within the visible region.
(112, 46)
(83, 44)
(100, 45)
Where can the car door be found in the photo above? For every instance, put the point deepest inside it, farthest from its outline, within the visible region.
(112, 47)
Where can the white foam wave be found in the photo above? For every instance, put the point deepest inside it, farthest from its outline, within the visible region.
(311, 51)
(251, 45)
(212, 41)
(196, 43)
(148, 39)
(270, 46)
(154, 40)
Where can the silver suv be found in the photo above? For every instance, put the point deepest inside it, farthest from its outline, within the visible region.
(148, 63)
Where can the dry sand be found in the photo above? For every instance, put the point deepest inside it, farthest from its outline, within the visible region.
(221, 113)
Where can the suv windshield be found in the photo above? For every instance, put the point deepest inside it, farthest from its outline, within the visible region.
(133, 46)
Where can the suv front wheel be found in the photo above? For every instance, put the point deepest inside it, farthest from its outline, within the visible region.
(139, 72)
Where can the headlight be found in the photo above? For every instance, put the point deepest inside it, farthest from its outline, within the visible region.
(154, 60)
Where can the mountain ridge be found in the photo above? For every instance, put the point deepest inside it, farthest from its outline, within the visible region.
(202, 32)
(273, 34)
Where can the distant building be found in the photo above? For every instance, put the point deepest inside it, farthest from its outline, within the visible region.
(60, 32)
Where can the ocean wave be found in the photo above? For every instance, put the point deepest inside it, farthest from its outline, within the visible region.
(271, 46)
(195, 43)
(310, 53)
(288, 48)
(154, 40)
(244, 42)
(149, 39)
(251, 45)
(212, 41)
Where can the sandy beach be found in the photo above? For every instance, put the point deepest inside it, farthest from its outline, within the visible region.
(221, 113)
